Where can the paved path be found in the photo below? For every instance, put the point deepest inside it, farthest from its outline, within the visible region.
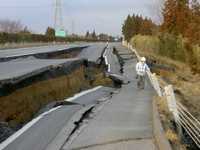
(125, 123)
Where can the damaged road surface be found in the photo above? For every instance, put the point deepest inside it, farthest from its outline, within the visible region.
(46, 129)
(26, 67)
(40, 52)
(25, 71)
(97, 119)
(53, 127)
(20, 72)
(93, 52)
(124, 123)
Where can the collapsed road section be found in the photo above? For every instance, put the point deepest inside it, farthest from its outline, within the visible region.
(62, 116)
(125, 122)
(93, 52)
(39, 52)
(29, 84)
(22, 72)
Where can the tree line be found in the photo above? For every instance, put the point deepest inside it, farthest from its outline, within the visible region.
(182, 17)
(101, 36)
(182, 21)
(16, 32)
(178, 34)
(136, 24)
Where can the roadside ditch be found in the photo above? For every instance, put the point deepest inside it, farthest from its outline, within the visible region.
(173, 74)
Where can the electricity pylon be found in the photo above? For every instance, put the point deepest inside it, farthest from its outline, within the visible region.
(58, 20)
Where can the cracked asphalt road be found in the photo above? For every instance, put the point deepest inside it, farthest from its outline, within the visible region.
(124, 123)
(42, 132)
(20, 52)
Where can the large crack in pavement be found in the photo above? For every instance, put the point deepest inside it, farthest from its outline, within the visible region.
(86, 117)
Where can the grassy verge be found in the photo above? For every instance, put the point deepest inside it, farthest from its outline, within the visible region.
(186, 84)
(183, 79)
(21, 106)
(167, 122)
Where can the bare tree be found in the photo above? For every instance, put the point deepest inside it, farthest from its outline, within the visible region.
(10, 26)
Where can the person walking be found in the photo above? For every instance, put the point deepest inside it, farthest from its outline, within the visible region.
(141, 69)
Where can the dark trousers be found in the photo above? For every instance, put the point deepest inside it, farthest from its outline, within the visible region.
(141, 81)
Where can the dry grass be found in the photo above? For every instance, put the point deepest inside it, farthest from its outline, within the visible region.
(187, 88)
(101, 80)
(20, 106)
(151, 42)
(164, 60)
(165, 115)
(182, 79)
(172, 136)
(70, 54)
(166, 119)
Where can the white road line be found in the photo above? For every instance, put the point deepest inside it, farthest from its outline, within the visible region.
(48, 112)
(83, 93)
(18, 133)
(24, 129)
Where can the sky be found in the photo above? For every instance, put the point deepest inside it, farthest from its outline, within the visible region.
(103, 16)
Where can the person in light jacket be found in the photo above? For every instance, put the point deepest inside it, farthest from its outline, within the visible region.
(141, 69)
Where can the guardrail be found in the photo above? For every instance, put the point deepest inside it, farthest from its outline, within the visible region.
(183, 118)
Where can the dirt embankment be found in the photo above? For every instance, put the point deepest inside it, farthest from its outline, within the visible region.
(187, 90)
(186, 84)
